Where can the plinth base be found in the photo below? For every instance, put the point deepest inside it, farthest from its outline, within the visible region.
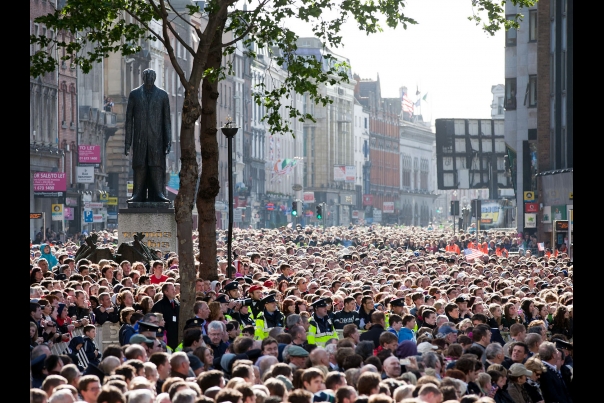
(158, 224)
(138, 205)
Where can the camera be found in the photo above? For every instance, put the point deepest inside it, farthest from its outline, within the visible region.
(244, 302)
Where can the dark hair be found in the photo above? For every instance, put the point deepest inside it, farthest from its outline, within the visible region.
(364, 349)
(207, 379)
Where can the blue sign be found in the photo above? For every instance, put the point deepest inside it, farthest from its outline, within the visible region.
(88, 216)
(174, 181)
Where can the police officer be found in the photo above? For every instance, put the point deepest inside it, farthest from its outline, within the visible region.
(269, 318)
(225, 305)
(321, 328)
(255, 293)
(232, 291)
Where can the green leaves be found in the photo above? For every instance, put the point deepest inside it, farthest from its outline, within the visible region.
(90, 30)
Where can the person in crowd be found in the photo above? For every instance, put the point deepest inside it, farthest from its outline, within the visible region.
(324, 310)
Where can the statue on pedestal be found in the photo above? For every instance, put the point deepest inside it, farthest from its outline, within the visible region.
(148, 131)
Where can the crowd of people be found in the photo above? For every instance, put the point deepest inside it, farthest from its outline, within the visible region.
(358, 314)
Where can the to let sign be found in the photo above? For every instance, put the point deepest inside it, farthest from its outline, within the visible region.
(50, 182)
(89, 154)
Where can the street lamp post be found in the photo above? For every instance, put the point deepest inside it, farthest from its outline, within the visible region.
(229, 131)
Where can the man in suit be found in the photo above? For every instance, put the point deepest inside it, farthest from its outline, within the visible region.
(170, 308)
(553, 387)
(148, 131)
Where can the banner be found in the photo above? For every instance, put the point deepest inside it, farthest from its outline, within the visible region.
(50, 182)
(68, 213)
(89, 154)
(388, 207)
(547, 214)
(85, 174)
(351, 173)
(367, 200)
(308, 197)
(530, 220)
(339, 173)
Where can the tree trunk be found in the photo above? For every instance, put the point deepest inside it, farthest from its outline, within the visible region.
(183, 207)
(209, 185)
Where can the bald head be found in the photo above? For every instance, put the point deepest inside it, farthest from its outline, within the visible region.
(109, 364)
(392, 367)
(319, 356)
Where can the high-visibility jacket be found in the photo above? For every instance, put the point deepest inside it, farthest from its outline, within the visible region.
(265, 322)
(484, 248)
(320, 331)
(453, 248)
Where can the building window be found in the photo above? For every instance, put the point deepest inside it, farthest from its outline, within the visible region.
(533, 26)
(530, 98)
(510, 94)
(500, 105)
(511, 34)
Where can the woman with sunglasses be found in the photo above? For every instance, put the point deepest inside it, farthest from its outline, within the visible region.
(532, 385)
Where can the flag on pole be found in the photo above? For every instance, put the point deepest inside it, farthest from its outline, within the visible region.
(541, 246)
(425, 96)
(418, 102)
(407, 104)
(472, 254)
(417, 90)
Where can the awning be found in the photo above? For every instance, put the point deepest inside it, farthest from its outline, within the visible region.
(172, 190)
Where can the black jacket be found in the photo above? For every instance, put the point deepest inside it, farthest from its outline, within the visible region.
(553, 387)
(373, 335)
(275, 320)
(171, 315)
(343, 318)
(102, 317)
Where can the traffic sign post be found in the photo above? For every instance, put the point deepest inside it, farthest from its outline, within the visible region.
(88, 216)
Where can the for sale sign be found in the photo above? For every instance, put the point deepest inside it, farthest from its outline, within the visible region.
(50, 182)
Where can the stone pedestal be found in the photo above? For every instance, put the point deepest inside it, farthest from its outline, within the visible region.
(157, 224)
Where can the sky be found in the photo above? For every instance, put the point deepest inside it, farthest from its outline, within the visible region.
(445, 56)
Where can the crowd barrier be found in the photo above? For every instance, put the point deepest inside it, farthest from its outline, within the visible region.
(106, 334)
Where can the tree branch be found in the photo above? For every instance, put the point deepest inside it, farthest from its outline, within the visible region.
(250, 26)
(182, 42)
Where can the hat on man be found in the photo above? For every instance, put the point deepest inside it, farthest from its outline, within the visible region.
(563, 344)
(445, 330)
(231, 286)
(320, 303)
(147, 327)
(222, 298)
(426, 346)
(428, 297)
(288, 384)
(255, 288)
(398, 302)
(139, 338)
(268, 283)
(450, 260)
(461, 298)
(193, 322)
(518, 369)
(268, 299)
(297, 351)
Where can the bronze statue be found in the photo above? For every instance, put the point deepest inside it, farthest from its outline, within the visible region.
(148, 130)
